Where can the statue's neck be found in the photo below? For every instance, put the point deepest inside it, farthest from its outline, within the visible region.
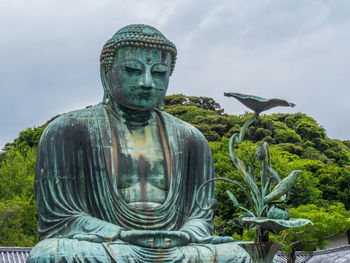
(130, 115)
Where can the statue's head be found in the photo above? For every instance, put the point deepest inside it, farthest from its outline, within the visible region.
(136, 64)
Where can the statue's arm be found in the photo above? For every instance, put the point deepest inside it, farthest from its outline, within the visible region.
(65, 162)
(198, 223)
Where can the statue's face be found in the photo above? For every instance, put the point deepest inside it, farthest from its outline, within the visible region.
(139, 77)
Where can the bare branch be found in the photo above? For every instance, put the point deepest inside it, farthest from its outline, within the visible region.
(285, 236)
(316, 240)
(302, 232)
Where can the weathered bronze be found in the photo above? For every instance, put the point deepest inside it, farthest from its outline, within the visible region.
(117, 182)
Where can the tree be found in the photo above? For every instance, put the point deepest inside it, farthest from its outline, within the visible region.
(176, 99)
(206, 104)
(18, 223)
(29, 137)
(18, 211)
(17, 174)
(334, 182)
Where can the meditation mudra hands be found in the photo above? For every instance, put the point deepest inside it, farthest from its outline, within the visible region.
(143, 238)
(155, 239)
(164, 239)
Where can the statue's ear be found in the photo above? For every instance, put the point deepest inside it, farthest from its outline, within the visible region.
(104, 82)
(161, 106)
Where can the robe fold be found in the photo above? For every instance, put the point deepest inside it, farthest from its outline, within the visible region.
(81, 212)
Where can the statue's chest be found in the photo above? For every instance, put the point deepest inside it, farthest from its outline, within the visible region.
(141, 171)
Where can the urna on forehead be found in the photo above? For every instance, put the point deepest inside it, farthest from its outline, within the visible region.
(136, 35)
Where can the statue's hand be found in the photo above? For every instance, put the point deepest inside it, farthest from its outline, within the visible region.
(155, 239)
(89, 237)
(219, 240)
(173, 239)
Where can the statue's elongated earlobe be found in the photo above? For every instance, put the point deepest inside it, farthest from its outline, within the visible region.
(161, 106)
(106, 95)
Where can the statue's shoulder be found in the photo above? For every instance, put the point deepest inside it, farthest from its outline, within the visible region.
(74, 122)
(181, 126)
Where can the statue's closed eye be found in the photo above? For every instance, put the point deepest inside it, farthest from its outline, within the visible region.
(132, 70)
(160, 73)
(160, 69)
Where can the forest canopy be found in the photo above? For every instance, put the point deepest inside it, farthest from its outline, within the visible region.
(296, 141)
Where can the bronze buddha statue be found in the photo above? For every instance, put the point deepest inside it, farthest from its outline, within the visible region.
(116, 182)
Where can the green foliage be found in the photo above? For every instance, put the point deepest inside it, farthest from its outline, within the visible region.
(29, 138)
(347, 144)
(286, 136)
(328, 221)
(18, 212)
(17, 174)
(18, 223)
(202, 112)
(335, 184)
(310, 130)
(204, 103)
(176, 99)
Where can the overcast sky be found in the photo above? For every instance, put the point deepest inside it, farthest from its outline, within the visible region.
(291, 49)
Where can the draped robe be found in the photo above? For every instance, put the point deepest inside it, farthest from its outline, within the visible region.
(81, 212)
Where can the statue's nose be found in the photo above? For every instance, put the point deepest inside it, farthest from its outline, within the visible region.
(147, 81)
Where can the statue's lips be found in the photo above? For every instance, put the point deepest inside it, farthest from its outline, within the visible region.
(144, 95)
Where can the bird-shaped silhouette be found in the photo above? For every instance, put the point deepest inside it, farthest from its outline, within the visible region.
(258, 104)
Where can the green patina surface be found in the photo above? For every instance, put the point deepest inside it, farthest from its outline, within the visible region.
(117, 182)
